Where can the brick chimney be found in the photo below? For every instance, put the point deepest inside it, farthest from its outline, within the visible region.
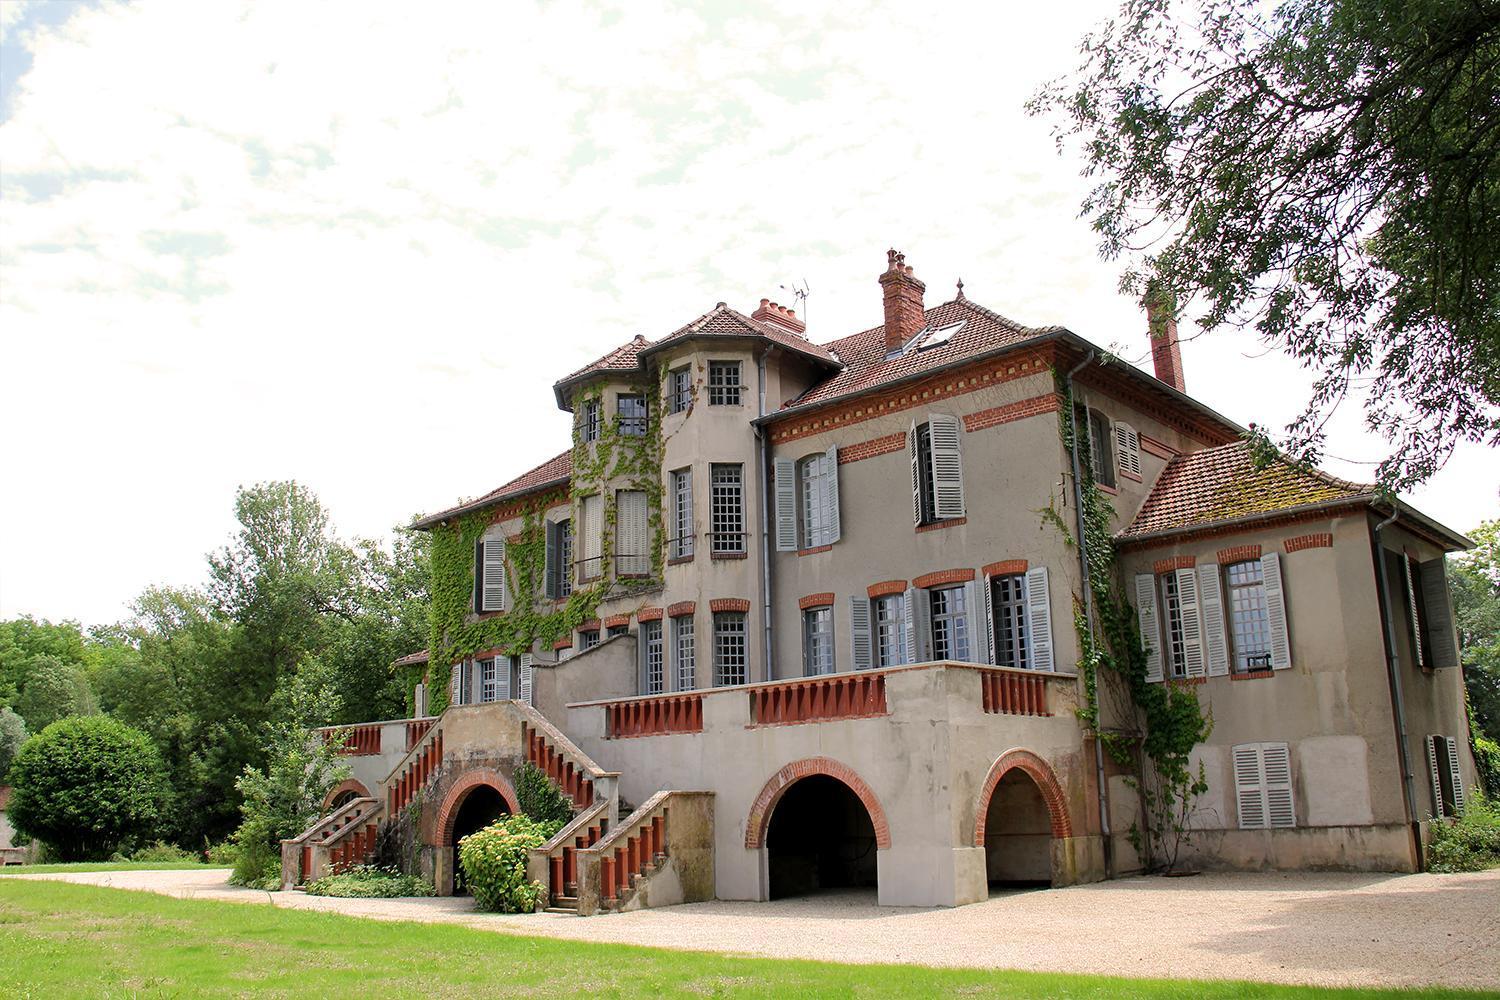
(1166, 352)
(779, 316)
(904, 318)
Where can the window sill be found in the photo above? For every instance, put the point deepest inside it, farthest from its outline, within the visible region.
(1131, 476)
(1252, 675)
(679, 560)
(589, 579)
(815, 550)
(1186, 681)
(951, 522)
(632, 576)
(716, 556)
(1113, 491)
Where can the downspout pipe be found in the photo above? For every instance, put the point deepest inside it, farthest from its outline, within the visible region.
(762, 457)
(1393, 672)
(1088, 608)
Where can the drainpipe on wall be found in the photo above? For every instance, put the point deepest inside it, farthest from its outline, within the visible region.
(762, 457)
(1088, 609)
(1393, 672)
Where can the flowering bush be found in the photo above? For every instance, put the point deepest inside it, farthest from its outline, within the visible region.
(494, 862)
(370, 882)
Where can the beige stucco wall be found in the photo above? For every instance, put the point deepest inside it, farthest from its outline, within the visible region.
(7, 832)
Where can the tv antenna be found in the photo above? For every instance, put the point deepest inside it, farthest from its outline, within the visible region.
(799, 294)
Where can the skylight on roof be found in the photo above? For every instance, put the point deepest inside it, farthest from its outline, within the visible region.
(937, 336)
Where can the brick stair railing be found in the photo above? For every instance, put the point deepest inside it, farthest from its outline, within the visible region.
(631, 852)
(558, 857)
(671, 830)
(573, 771)
(413, 771)
(343, 838)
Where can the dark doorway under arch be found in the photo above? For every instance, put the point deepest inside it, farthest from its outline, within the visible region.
(480, 807)
(1017, 834)
(342, 799)
(820, 837)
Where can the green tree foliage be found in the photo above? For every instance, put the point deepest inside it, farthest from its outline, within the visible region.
(54, 690)
(1326, 172)
(494, 861)
(85, 786)
(1474, 578)
(12, 735)
(539, 798)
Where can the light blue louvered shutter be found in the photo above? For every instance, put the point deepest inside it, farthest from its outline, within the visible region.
(861, 649)
(832, 527)
(1145, 609)
(1440, 639)
(947, 465)
(1211, 604)
(1192, 622)
(916, 474)
(1281, 646)
(492, 591)
(1039, 618)
(525, 678)
(974, 612)
(786, 505)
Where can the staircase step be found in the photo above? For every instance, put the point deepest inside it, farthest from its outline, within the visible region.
(571, 911)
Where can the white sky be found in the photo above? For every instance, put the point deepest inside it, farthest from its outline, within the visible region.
(355, 244)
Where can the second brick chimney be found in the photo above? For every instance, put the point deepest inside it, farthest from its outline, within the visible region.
(904, 317)
(779, 316)
(1166, 352)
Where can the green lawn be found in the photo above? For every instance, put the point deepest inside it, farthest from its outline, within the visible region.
(106, 866)
(60, 940)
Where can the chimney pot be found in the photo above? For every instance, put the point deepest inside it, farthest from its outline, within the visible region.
(779, 316)
(902, 291)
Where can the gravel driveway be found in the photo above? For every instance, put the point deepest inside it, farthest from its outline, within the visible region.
(1318, 928)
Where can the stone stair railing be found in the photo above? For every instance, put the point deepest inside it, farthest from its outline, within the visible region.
(344, 837)
(671, 831)
(573, 771)
(555, 863)
(414, 770)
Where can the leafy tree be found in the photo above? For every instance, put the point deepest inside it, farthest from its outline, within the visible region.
(1326, 172)
(12, 735)
(26, 643)
(54, 690)
(84, 786)
(1474, 578)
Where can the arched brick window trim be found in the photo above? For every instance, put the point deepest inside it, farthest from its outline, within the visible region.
(759, 820)
(1039, 771)
(461, 788)
(347, 785)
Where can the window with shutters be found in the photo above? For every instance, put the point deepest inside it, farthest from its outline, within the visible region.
(1249, 619)
(632, 534)
(1444, 762)
(651, 643)
(1096, 428)
(815, 492)
(589, 422)
(590, 537)
(490, 585)
(726, 510)
(1263, 785)
(559, 568)
(1174, 641)
(949, 612)
(684, 651)
(889, 625)
(489, 679)
(1008, 597)
(1128, 450)
(680, 545)
(588, 638)
(731, 662)
(937, 481)
(1417, 614)
(679, 389)
(723, 383)
(817, 641)
(630, 414)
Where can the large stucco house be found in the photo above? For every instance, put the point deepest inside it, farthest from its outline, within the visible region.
(787, 615)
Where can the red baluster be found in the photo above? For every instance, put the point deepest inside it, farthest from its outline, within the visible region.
(607, 877)
(557, 875)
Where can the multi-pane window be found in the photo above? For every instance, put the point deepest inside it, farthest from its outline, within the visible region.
(723, 383)
(681, 544)
(950, 623)
(489, 679)
(1008, 601)
(731, 661)
(631, 412)
(589, 421)
(890, 640)
(813, 474)
(588, 638)
(817, 641)
(687, 666)
(1174, 648)
(1249, 620)
(1101, 449)
(935, 451)
(927, 497)
(565, 557)
(679, 389)
(656, 675)
(615, 630)
(726, 509)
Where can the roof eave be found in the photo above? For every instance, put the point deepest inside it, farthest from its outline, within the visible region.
(668, 342)
(433, 520)
(1244, 520)
(1438, 531)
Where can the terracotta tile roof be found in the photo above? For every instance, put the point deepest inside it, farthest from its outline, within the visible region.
(623, 358)
(867, 367)
(723, 321)
(411, 659)
(1222, 484)
(555, 470)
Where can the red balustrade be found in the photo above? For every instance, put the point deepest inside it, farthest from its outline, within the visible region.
(635, 855)
(839, 696)
(1007, 693)
(359, 741)
(564, 773)
(655, 716)
(419, 769)
(415, 730)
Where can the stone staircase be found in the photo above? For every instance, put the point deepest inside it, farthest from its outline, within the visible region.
(343, 838)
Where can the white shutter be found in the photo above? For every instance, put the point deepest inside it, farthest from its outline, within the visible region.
(1192, 622)
(1281, 647)
(860, 642)
(832, 528)
(1440, 640)
(502, 678)
(1211, 604)
(1411, 610)
(915, 625)
(492, 589)
(1455, 775)
(590, 535)
(786, 505)
(947, 465)
(1276, 770)
(1039, 619)
(988, 641)
(525, 677)
(454, 690)
(978, 648)
(1128, 449)
(1145, 609)
(916, 474)
(1434, 776)
(419, 701)
(1248, 789)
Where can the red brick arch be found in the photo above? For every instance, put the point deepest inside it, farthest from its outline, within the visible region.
(348, 785)
(1040, 772)
(759, 820)
(460, 790)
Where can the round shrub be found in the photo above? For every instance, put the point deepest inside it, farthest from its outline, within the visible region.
(494, 861)
(84, 786)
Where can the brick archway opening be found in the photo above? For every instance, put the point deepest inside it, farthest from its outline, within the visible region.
(461, 790)
(1019, 814)
(474, 801)
(343, 793)
(821, 826)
